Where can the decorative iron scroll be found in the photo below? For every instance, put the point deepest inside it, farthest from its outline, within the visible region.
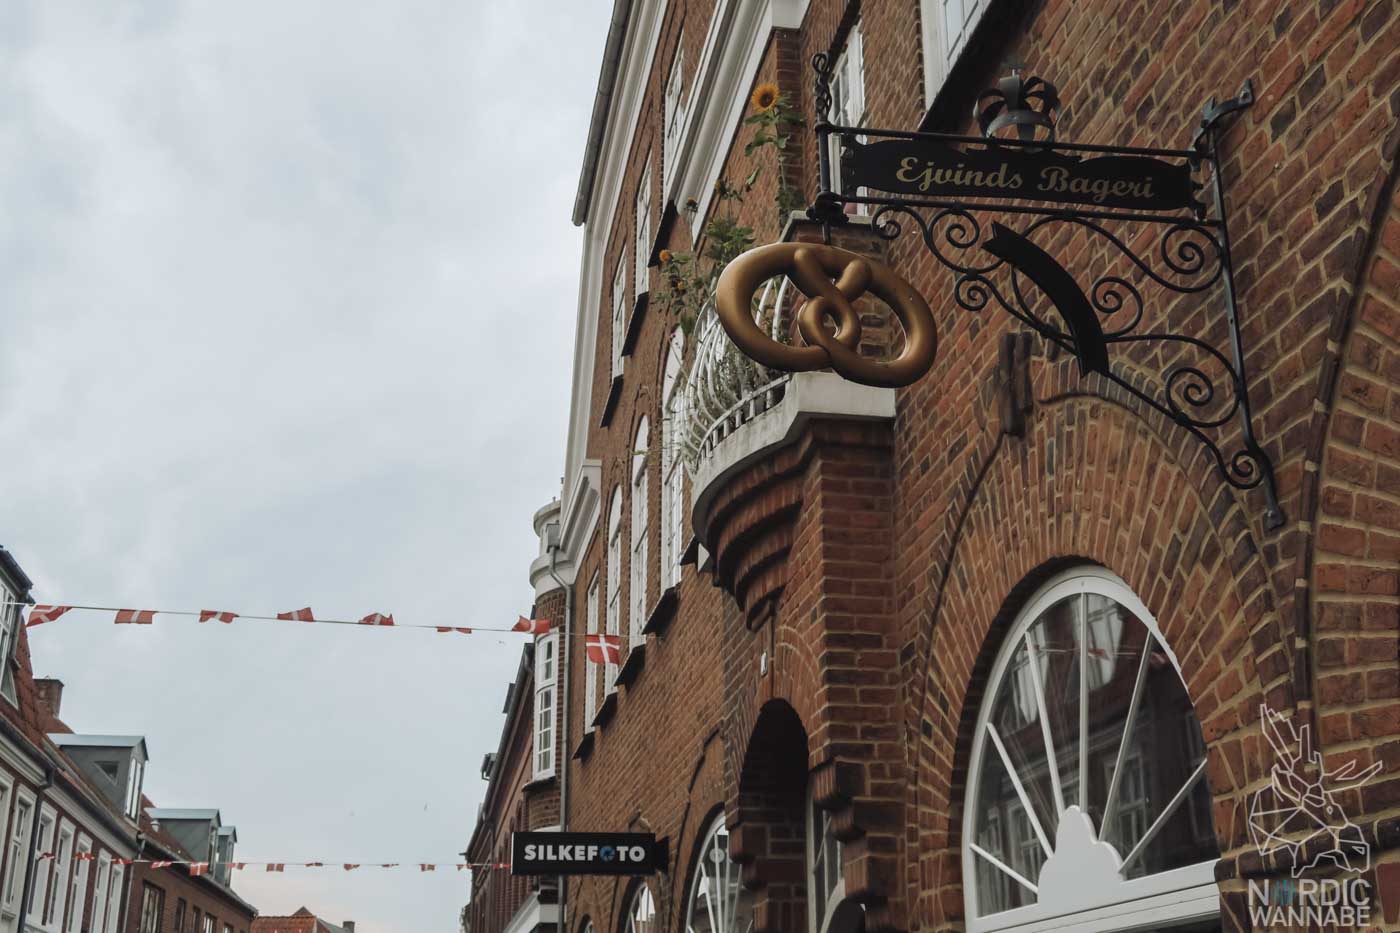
(1134, 218)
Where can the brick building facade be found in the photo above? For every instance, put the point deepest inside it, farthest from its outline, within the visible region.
(886, 653)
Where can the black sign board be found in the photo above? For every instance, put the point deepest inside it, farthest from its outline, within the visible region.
(587, 854)
(934, 169)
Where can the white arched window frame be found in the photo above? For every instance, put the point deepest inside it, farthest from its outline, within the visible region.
(641, 914)
(619, 312)
(642, 247)
(641, 531)
(590, 666)
(718, 903)
(1062, 875)
(672, 474)
(825, 885)
(546, 679)
(613, 620)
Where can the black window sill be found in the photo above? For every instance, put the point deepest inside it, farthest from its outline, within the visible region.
(541, 783)
(610, 405)
(691, 552)
(663, 234)
(605, 711)
(636, 659)
(662, 613)
(585, 747)
(634, 323)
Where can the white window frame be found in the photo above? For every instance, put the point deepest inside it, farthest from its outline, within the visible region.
(641, 531)
(848, 105)
(827, 874)
(17, 812)
(42, 868)
(613, 621)
(619, 313)
(546, 683)
(136, 774)
(77, 889)
(642, 915)
(147, 888)
(673, 115)
(642, 246)
(942, 49)
(1174, 896)
(211, 924)
(672, 475)
(590, 667)
(114, 899)
(99, 894)
(57, 893)
(9, 626)
(717, 898)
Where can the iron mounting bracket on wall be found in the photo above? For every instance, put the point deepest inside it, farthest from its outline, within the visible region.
(1134, 217)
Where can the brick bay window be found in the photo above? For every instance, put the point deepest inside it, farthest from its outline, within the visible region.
(642, 247)
(718, 903)
(641, 912)
(672, 475)
(546, 674)
(619, 313)
(825, 886)
(590, 666)
(614, 615)
(1087, 792)
(637, 579)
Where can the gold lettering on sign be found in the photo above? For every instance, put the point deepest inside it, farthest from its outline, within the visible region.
(931, 176)
(1056, 178)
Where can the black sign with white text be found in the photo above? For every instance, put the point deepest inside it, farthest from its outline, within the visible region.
(586, 854)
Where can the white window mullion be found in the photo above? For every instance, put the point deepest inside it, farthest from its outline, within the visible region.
(590, 667)
(619, 313)
(642, 246)
(614, 615)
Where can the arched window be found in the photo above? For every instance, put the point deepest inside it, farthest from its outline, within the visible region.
(613, 622)
(1087, 802)
(718, 903)
(672, 475)
(637, 616)
(825, 886)
(641, 915)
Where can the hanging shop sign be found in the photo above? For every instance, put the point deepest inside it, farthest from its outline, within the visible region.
(551, 853)
(1145, 247)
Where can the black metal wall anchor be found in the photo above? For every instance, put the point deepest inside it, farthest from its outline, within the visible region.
(1140, 212)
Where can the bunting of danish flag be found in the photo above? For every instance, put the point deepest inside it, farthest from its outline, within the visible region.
(604, 649)
(276, 866)
(350, 866)
(449, 628)
(135, 616)
(238, 866)
(377, 618)
(424, 866)
(531, 626)
(206, 615)
(199, 868)
(161, 864)
(298, 615)
(41, 614)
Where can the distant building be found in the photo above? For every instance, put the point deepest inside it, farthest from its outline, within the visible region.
(187, 902)
(303, 921)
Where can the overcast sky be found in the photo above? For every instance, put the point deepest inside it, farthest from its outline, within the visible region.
(287, 291)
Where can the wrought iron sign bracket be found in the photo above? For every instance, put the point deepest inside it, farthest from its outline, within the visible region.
(1136, 217)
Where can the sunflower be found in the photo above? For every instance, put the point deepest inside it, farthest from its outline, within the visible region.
(664, 256)
(765, 97)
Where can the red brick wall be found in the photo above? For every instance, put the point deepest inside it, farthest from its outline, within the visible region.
(178, 885)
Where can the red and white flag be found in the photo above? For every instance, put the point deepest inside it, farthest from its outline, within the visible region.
(603, 649)
(276, 866)
(315, 864)
(531, 626)
(206, 615)
(351, 867)
(199, 868)
(450, 628)
(118, 861)
(161, 864)
(45, 855)
(239, 866)
(377, 618)
(84, 856)
(425, 866)
(135, 616)
(41, 614)
(388, 864)
(298, 615)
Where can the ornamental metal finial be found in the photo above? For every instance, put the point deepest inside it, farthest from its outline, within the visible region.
(1028, 105)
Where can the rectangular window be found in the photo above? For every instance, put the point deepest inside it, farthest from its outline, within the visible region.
(210, 924)
(136, 772)
(114, 900)
(152, 907)
(643, 245)
(946, 26)
(58, 879)
(9, 623)
(674, 116)
(15, 850)
(619, 313)
(180, 916)
(637, 616)
(546, 651)
(43, 863)
(77, 890)
(614, 615)
(590, 667)
(99, 892)
(847, 97)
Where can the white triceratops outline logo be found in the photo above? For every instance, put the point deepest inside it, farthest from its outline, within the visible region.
(1305, 807)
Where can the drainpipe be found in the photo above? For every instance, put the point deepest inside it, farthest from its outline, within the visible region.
(34, 847)
(566, 661)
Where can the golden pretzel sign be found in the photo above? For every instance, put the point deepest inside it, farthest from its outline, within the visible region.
(832, 279)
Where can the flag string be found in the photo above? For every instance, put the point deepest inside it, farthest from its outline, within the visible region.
(41, 614)
(202, 868)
